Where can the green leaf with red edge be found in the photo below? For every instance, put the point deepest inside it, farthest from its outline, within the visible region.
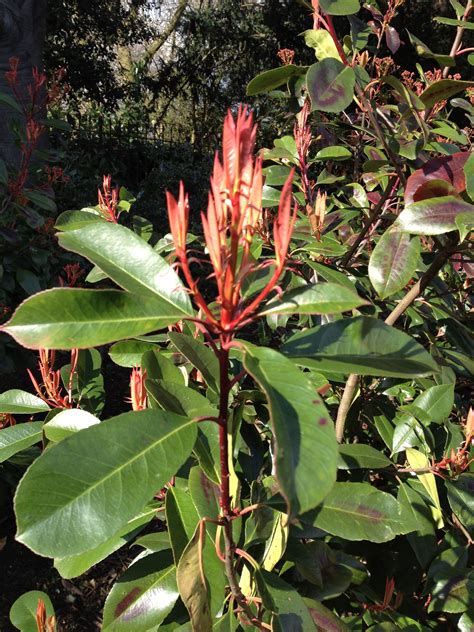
(393, 261)
(330, 85)
(443, 89)
(434, 216)
(274, 78)
(359, 511)
(67, 504)
(305, 445)
(69, 318)
(340, 7)
(143, 596)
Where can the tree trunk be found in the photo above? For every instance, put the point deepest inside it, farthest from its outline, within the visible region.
(22, 32)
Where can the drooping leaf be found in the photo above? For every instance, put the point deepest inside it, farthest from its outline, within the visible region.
(143, 596)
(359, 345)
(160, 367)
(18, 402)
(179, 399)
(416, 511)
(68, 422)
(340, 7)
(433, 216)
(321, 298)
(75, 565)
(274, 78)
(443, 89)
(130, 262)
(353, 456)
(192, 585)
(358, 511)
(19, 437)
(303, 430)
(419, 461)
(461, 499)
(23, 611)
(200, 357)
(424, 51)
(128, 353)
(69, 318)
(288, 608)
(330, 85)
(66, 505)
(452, 592)
(393, 262)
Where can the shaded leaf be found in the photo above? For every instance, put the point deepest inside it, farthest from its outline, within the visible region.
(354, 456)
(359, 345)
(128, 353)
(303, 430)
(200, 357)
(274, 78)
(461, 499)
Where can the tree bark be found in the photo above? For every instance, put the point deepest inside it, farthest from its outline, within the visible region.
(22, 32)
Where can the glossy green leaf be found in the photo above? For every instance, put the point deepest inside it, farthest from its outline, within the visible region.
(340, 7)
(192, 583)
(358, 511)
(302, 428)
(408, 433)
(321, 298)
(433, 216)
(143, 596)
(66, 505)
(353, 456)
(330, 85)
(274, 78)
(466, 622)
(465, 24)
(436, 402)
(72, 220)
(130, 262)
(87, 385)
(128, 353)
(19, 437)
(75, 565)
(23, 611)
(18, 402)
(335, 152)
(359, 345)
(68, 422)
(200, 356)
(69, 318)
(461, 499)
(393, 262)
(207, 450)
(289, 610)
(424, 51)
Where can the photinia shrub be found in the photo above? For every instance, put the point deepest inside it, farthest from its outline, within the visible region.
(300, 427)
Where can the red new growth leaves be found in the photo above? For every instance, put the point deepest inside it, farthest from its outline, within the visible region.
(234, 216)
